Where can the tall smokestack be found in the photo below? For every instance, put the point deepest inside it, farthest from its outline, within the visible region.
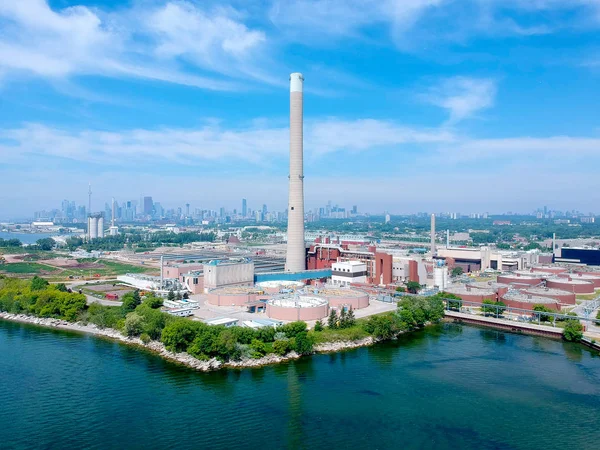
(296, 251)
(432, 234)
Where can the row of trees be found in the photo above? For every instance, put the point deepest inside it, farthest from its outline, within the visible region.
(146, 240)
(10, 243)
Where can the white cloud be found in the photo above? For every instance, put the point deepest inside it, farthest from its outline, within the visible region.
(141, 42)
(256, 144)
(418, 24)
(462, 96)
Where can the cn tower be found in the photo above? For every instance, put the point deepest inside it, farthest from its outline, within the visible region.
(296, 251)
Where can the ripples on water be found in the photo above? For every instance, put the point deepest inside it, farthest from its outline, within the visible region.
(450, 386)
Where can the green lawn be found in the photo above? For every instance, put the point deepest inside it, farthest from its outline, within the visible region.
(23, 267)
(346, 334)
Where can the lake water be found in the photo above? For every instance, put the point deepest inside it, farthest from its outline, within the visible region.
(25, 238)
(448, 387)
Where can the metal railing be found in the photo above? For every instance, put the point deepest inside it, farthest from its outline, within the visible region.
(522, 315)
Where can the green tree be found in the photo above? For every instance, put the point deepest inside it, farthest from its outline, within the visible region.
(134, 324)
(38, 283)
(46, 244)
(342, 323)
(130, 302)
(61, 287)
(178, 296)
(178, 335)
(413, 287)
(543, 309)
(171, 295)
(292, 329)
(332, 319)
(304, 343)
(136, 296)
(573, 331)
(492, 307)
(457, 271)
(400, 289)
(350, 319)
(318, 325)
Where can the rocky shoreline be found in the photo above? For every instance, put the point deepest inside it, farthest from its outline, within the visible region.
(181, 358)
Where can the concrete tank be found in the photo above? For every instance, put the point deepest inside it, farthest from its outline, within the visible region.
(297, 308)
(100, 226)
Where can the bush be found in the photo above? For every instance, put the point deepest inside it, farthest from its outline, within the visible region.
(281, 347)
(258, 348)
(319, 326)
(573, 331)
(292, 329)
(492, 307)
(145, 338)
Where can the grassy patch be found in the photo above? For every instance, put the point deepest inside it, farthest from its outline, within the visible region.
(346, 334)
(23, 267)
(586, 296)
(106, 268)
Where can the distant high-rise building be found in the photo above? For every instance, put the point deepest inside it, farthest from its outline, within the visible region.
(264, 210)
(148, 206)
(355, 209)
(244, 208)
(222, 212)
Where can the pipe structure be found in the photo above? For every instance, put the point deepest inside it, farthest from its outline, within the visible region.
(296, 250)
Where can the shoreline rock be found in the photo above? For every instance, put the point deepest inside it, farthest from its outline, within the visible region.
(185, 359)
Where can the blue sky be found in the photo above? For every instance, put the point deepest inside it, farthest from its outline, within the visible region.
(410, 105)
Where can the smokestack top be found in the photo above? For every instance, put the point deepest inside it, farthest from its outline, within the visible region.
(296, 82)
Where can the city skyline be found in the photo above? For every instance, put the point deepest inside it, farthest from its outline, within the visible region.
(412, 106)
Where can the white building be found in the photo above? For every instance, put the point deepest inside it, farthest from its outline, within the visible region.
(347, 272)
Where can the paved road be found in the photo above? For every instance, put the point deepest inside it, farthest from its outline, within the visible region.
(91, 299)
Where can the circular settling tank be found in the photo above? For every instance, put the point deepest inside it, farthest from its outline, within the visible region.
(528, 301)
(570, 284)
(275, 286)
(297, 308)
(232, 296)
(468, 294)
(563, 297)
(353, 298)
(518, 278)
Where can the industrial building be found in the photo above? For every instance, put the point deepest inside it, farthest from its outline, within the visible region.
(473, 259)
(346, 273)
(231, 272)
(574, 255)
(95, 226)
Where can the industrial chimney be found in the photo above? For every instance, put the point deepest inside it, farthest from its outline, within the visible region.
(296, 250)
